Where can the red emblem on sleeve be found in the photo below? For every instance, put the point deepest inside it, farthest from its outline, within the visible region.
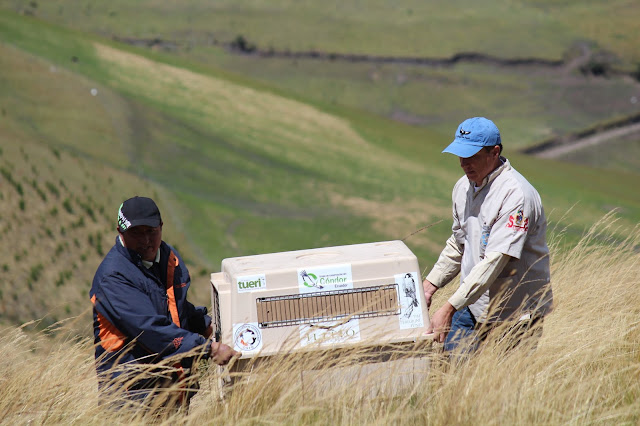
(518, 221)
(177, 342)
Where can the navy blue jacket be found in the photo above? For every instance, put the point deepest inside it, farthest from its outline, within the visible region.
(144, 317)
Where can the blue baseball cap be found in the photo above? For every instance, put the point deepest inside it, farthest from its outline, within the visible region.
(472, 135)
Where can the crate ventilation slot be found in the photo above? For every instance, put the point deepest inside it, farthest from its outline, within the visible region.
(295, 309)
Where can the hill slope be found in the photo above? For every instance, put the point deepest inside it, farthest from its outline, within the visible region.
(375, 27)
(572, 81)
(238, 168)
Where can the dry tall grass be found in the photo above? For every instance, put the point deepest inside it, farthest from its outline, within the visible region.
(585, 370)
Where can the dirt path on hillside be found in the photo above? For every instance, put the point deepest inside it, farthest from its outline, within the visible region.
(605, 136)
(558, 146)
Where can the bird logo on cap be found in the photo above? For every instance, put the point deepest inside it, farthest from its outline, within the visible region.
(464, 132)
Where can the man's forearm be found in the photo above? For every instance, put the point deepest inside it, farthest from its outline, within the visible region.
(448, 264)
(479, 279)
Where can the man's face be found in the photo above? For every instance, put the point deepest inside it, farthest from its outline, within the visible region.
(481, 164)
(144, 240)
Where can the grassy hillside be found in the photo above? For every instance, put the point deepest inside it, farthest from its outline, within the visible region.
(239, 168)
(230, 180)
(58, 213)
(531, 102)
(408, 28)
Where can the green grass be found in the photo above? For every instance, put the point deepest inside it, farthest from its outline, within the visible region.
(529, 104)
(232, 146)
(237, 167)
(411, 27)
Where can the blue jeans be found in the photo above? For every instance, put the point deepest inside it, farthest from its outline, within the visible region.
(466, 334)
(463, 331)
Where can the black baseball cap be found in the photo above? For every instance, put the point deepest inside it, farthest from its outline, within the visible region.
(138, 211)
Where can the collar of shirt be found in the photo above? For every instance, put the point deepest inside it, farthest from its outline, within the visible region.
(494, 174)
(148, 264)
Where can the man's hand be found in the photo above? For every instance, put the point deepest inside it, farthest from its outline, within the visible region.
(429, 289)
(441, 322)
(221, 354)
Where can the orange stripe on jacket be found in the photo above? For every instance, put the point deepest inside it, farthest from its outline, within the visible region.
(173, 307)
(111, 339)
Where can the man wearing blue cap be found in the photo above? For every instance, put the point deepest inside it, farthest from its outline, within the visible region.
(498, 246)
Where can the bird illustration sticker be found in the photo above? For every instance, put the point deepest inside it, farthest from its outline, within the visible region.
(325, 278)
(410, 301)
(310, 280)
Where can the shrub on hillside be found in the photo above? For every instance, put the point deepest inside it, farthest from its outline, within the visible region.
(67, 205)
(36, 272)
(63, 276)
(96, 242)
(40, 192)
(9, 178)
(86, 207)
(596, 68)
(600, 64)
(242, 44)
(52, 189)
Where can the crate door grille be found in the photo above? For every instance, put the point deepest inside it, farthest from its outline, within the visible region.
(215, 315)
(309, 308)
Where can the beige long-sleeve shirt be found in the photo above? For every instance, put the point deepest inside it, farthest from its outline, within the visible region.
(498, 246)
(476, 283)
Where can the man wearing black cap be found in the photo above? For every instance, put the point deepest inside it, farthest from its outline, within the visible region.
(498, 245)
(141, 314)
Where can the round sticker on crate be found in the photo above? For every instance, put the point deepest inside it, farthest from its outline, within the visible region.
(247, 337)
